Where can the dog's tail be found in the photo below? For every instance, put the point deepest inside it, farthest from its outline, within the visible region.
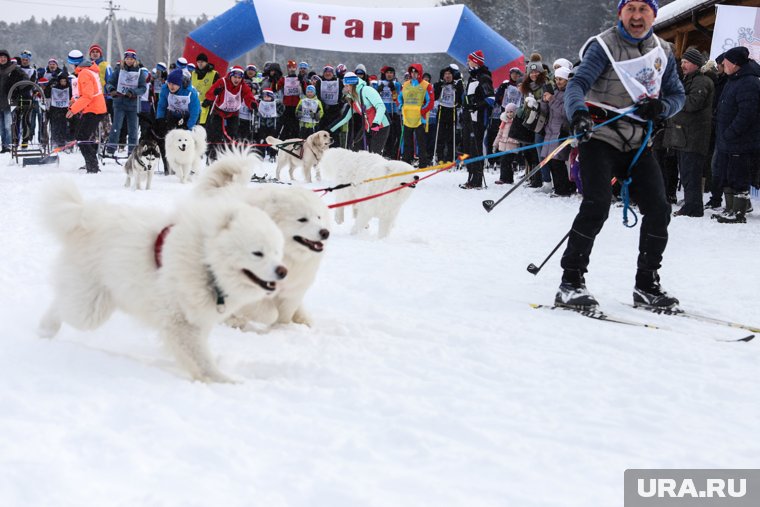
(273, 141)
(62, 208)
(199, 136)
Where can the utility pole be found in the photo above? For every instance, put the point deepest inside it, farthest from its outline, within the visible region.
(111, 22)
(160, 43)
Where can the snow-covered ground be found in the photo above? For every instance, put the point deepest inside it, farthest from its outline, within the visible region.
(427, 380)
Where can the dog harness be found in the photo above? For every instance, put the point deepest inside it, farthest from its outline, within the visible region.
(159, 245)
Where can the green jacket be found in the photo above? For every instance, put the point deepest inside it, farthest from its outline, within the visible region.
(369, 98)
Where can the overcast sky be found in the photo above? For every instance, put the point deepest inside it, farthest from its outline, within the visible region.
(18, 10)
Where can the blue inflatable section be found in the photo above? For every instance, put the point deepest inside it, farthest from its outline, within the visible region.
(230, 34)
(473, 34)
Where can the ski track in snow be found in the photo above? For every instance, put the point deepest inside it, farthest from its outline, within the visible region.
(427, 380)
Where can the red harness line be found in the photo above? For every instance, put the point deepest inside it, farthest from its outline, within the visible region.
(159, 244)
(395, 189)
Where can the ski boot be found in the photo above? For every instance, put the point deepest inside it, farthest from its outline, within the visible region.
(649, 294)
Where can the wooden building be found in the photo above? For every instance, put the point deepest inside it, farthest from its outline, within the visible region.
(688, 23)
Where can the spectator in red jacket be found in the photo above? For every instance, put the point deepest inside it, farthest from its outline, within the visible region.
(225, 97)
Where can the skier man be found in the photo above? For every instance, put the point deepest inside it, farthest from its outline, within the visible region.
(623, 66)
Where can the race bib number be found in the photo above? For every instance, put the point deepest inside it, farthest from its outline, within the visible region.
(292, 87)
(178, 103)
(127, 81)
(59, 97)
(330, 92)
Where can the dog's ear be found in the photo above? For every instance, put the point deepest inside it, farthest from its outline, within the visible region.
(227, 220)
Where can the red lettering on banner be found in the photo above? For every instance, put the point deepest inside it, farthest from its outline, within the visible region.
(296, 21)
(354, 29)
(410, 27)
(383, 30)
(326, 21)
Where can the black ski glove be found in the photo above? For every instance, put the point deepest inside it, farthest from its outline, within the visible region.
(219, 90)
(649, 109)
(582, 125)
(207, 103)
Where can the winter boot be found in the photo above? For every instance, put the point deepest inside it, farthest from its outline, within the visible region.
(739, 210)
(547, 187)
(728, 211)
(649, 294)
(572, 292)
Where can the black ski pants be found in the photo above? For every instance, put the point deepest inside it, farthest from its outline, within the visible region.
(599, 163)
(88, 145)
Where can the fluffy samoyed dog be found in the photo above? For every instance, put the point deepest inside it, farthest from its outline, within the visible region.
(180, 274)
(301, 215)
(345, 166)
(185, 150)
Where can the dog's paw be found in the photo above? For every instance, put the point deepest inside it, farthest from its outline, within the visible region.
(237, 322)
(215, 377)
(301, 317)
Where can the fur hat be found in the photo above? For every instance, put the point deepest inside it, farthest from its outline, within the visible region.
(738, 55)
(477, 57)
(694, 56)
(175, 77)
(651, 3)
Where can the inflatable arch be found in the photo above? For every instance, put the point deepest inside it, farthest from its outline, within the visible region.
(453, 29)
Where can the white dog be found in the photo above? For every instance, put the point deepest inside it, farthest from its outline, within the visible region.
(304, 220)
(314, 147)
(185, 150)
(344, 166)
(181, 275)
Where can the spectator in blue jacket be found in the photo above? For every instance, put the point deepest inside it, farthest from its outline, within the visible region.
(125, 87)
(178, 104)
(737, 142)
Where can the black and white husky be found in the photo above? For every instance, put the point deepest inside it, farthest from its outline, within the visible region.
(142, 163)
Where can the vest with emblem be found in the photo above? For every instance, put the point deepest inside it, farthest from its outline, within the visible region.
(609, 89)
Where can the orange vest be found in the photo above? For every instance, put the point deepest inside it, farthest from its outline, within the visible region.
(91, 98)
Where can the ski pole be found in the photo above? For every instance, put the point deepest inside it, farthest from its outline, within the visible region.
(437, 126)
(533, 269)
(489, 205)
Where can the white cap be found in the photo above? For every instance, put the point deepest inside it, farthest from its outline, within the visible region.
(563, 62)
(562, 73)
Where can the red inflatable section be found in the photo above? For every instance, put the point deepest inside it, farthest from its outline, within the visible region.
(193, 49)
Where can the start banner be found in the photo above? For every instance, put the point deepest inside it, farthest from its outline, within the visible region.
(358, 29)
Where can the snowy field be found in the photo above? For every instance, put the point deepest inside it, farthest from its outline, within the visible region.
(427, 380)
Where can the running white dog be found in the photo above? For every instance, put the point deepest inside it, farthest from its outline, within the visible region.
(180, 274)
(304, 220)
(344, 166)
(314, 147)
(185, 150)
